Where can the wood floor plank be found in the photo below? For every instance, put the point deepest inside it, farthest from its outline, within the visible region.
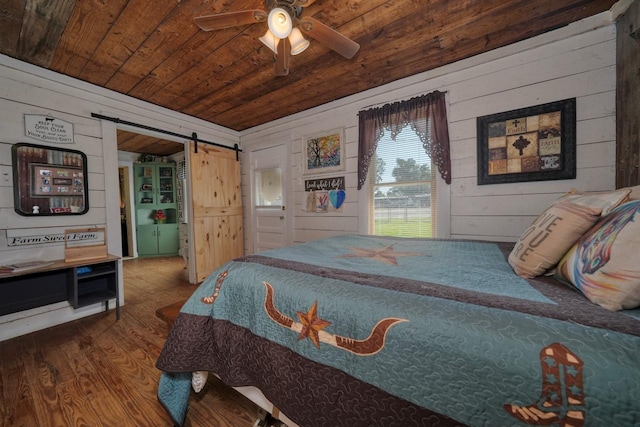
(223, 404)
(124, 377)
(78, 412)
(108, 408)
(97, 371)
(43, 387)
(19, 407)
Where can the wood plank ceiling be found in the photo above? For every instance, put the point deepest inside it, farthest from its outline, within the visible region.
(152, 50)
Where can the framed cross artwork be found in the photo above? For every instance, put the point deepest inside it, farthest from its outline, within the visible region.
(530, 144)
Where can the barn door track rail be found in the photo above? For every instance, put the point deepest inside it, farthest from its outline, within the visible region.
(193, 137)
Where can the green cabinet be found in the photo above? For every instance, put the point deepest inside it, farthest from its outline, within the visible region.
(157, 239)
(156, 209)
(155, 185)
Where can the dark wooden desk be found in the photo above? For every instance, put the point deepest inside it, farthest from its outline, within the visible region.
(82, 283)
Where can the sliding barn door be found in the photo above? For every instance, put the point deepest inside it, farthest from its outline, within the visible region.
(216, 208)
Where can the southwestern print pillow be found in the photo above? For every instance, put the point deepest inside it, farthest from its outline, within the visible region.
(605, 263)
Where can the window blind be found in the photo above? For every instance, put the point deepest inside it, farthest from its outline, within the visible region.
(402, 188)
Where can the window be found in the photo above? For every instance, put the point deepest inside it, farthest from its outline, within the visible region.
(394, 139)
(269, 187)
(402, 187)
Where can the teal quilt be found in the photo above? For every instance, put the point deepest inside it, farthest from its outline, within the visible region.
(377, 331)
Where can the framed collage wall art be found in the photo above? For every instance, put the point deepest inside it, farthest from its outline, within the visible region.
(323, 152)
(530, 144)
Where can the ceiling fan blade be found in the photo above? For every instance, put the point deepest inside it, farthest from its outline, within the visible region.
(304, 3)
(230, 19)
(329, 37)
(282, 58)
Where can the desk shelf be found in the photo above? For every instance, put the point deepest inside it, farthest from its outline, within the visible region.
(61, 281)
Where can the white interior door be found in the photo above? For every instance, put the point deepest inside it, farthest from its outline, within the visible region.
(269, 211)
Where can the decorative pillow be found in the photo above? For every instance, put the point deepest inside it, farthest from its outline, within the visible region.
(553, 233)
(605, 263)
(605, 200)
(635, 193)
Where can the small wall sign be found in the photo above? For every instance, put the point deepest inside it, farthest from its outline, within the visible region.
(48, 129)
(15, 239)
(336, 183)
(324, 195)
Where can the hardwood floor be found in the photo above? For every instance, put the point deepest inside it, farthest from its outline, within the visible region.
(98, 371)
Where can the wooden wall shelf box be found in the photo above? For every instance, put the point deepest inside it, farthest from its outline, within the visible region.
(84, 252)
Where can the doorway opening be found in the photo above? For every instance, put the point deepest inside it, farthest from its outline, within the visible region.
(126, 224)
(151, 198)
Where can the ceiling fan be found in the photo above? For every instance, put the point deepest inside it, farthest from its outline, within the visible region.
(286, 25)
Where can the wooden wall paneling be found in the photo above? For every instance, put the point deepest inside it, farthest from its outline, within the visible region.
(199, 46)
(139, 143)
(84, 33)
(508, 228)
(43, 23)
(159, 45)
(448, 47)
(154, 51)
(263, 81)
(123, 38)
(540, 66)
(628, 98)
(11, 16)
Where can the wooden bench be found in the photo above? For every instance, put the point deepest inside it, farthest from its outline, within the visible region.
(169, 313)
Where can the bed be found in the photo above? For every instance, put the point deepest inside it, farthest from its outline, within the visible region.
(380, 331)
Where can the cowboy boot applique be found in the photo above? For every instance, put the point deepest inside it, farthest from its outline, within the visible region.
(562, 399)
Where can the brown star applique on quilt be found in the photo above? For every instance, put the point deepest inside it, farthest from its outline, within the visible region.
(386, 254)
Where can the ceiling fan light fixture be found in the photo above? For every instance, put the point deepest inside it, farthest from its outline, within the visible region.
(298, 43)
(280, 23)
(270, 41)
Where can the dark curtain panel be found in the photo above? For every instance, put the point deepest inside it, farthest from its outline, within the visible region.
(420, 113)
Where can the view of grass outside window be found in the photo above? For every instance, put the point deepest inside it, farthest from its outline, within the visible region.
(402, 188)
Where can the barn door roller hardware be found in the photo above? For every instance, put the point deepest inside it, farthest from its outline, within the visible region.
(193, 137)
